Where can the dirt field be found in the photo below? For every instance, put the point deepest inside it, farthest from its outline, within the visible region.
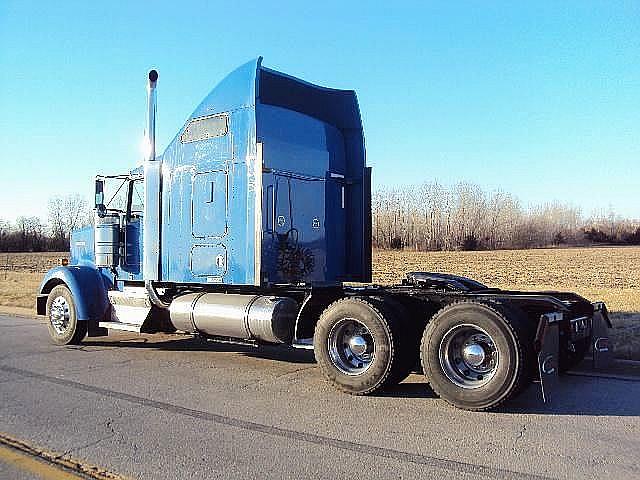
(610, 274)
(20, 275)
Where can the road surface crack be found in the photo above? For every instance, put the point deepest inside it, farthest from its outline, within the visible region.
(87, 445)
(519, 436)
(292, 373)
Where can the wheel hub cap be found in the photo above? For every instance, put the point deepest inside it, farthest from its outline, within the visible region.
(59, 315)
(358, 345)
(351, 346)
(468, 356)
(473, 355)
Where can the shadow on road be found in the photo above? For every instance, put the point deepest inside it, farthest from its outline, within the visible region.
(575, 395)
(197, 344)
(579, 395)
(408, 389)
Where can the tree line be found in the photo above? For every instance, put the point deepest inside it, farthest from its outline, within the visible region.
(464, 216)
(32, 234)
(429, 216)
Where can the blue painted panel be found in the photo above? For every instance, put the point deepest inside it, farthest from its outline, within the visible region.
(294, 246)
(209, 260)
(237, 90)
(209, 204)
(82, 246)
(339, 110)
(293, 141)
(197, 219)
(210, 154)
(88, 287)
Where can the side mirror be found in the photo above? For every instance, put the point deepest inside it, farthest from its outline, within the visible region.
(99, 204)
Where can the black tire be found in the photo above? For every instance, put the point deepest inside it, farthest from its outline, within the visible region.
(64, 327)
(507, 352)
(390, 363)
(406, 332)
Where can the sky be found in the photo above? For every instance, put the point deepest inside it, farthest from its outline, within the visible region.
(539, 99)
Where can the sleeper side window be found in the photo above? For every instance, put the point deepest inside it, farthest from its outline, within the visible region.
(204, 128)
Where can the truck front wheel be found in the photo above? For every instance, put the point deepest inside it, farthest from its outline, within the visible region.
(359, 346)
(476, 356)
(64, 327)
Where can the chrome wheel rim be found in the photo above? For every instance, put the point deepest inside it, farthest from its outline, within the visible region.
(468, 356)
(351, 346)
(59, 315)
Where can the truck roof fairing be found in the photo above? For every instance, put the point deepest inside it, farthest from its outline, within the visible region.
(251, 84)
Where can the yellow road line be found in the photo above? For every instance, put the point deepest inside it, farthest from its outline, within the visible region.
(46, 464)
(25, 462)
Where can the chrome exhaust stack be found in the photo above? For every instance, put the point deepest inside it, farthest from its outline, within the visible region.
(151, 115)
(152, 190)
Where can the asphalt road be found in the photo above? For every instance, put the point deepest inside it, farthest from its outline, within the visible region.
(177, 407)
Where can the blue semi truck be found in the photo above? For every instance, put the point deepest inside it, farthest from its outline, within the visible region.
(254, 226)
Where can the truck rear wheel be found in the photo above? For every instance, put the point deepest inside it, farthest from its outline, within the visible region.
(476, 356)
(359, 346)
(64, 328)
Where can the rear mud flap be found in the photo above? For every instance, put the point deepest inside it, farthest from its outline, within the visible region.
(548, 347)
(600, 345)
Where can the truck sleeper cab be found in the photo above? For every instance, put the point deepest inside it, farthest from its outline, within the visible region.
(247, 228)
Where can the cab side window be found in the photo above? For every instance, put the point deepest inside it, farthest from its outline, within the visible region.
(137, 198)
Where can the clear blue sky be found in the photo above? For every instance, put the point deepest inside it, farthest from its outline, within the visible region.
(541, 100)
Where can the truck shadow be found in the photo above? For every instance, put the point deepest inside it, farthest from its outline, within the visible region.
(196, 344)
(578, 395)
(575, 395)
(408, 389)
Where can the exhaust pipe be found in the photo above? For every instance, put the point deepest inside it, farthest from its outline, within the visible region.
(151, 115)
(152, 218)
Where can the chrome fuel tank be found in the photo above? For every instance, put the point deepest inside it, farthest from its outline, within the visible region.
(252, 317)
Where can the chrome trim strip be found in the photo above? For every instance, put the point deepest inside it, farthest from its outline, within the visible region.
(257, 248)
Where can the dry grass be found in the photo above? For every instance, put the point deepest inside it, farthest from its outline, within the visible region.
(30, 262)
(609, 274)
(20, 276)
(19, 289)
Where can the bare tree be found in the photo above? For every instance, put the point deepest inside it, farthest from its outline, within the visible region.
(432, 216)
(67, 213)
(57, 225)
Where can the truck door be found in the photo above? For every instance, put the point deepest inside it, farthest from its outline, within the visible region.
(296, 251)
(209, 224)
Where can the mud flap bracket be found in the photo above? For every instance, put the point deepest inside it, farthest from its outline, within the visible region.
(548, 347)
